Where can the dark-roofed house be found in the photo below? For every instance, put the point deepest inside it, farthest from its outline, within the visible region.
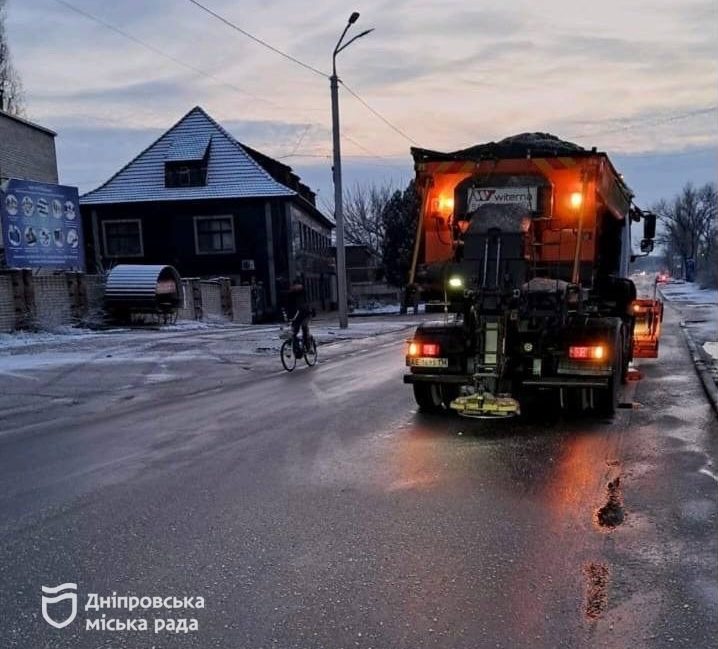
(210, 206)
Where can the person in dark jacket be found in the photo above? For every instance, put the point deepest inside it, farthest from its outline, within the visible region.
(297, 304)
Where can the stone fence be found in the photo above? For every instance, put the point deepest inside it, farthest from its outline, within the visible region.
(48, 301)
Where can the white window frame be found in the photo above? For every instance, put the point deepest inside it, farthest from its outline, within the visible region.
(214, 217)
(104, 238)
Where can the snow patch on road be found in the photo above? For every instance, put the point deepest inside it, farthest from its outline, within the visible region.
(58, 337)
(711, 348)
(688, 292)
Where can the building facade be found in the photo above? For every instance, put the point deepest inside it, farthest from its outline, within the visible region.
(27, 150)
(210, 206)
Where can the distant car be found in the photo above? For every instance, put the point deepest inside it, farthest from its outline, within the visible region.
(662, 278)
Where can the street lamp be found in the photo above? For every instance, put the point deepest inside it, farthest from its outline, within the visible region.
(337, 173)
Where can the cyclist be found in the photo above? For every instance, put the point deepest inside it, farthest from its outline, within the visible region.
(297, 304)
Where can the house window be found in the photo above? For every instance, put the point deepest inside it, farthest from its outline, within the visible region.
(123, 238)
(213, 234)
(190, 173)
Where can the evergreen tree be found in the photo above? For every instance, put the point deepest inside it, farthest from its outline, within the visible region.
(399, 216)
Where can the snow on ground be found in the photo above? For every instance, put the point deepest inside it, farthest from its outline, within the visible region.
(271, 338)
(384, 309)
(379, 309)
(183, 342)
(711, 348)
(27, 338)
(699, 311)
(679, 291)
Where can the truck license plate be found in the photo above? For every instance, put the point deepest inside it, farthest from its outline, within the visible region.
(430, 362)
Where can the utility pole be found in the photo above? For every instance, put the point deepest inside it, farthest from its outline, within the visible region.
(337, 174)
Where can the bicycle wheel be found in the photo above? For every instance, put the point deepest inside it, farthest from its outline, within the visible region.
(287, 354)
(310, 353)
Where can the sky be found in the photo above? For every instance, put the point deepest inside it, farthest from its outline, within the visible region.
(638, 80)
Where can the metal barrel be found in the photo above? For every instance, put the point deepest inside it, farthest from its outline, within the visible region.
(142, 288)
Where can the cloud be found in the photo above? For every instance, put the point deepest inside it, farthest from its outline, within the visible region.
(132, 93)
(450, 74)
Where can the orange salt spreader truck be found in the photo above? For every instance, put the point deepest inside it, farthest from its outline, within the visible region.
(525, 245)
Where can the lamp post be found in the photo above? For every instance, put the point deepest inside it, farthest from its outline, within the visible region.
(337, 173)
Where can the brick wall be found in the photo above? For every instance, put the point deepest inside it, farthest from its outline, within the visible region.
(211, 300)
(191, 307)
(242, 304)
(7, 308)
(52, 301)
(95, 299)
(26, 151)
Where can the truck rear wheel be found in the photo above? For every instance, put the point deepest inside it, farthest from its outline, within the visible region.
(434, 397)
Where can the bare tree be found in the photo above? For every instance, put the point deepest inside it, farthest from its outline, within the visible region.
(689, 225)
(11, 94)
(363, 207)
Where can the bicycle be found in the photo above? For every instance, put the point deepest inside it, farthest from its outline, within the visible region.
(308, 350)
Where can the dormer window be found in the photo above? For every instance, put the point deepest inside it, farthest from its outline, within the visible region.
(190, 173)
(186, 162)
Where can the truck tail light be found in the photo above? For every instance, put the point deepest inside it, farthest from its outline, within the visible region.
(587, 352)
(423, 349)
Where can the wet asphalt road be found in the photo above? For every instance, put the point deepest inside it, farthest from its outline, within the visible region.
(318, 509)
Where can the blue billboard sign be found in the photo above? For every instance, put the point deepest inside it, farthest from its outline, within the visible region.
(41, 225)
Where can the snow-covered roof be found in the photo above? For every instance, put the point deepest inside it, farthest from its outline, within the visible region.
(231, 171)
(188, 148)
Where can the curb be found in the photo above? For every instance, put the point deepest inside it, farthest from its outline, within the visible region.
(709, 384)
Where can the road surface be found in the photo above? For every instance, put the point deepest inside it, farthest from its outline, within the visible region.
(319, 509)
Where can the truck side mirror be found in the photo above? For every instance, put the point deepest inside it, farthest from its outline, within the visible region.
(646, 245)
(649, 226)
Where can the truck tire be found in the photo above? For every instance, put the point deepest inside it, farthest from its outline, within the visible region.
(434, 397)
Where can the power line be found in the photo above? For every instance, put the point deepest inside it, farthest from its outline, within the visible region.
(256, 39)
(301, 139)
(359, 145)
(159, 52)
(650, 122)
(169, 57)
(350, 156)
(201, 72)
(289, 57)
(376, 113)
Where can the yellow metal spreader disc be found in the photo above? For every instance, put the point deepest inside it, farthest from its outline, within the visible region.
(486, 406)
